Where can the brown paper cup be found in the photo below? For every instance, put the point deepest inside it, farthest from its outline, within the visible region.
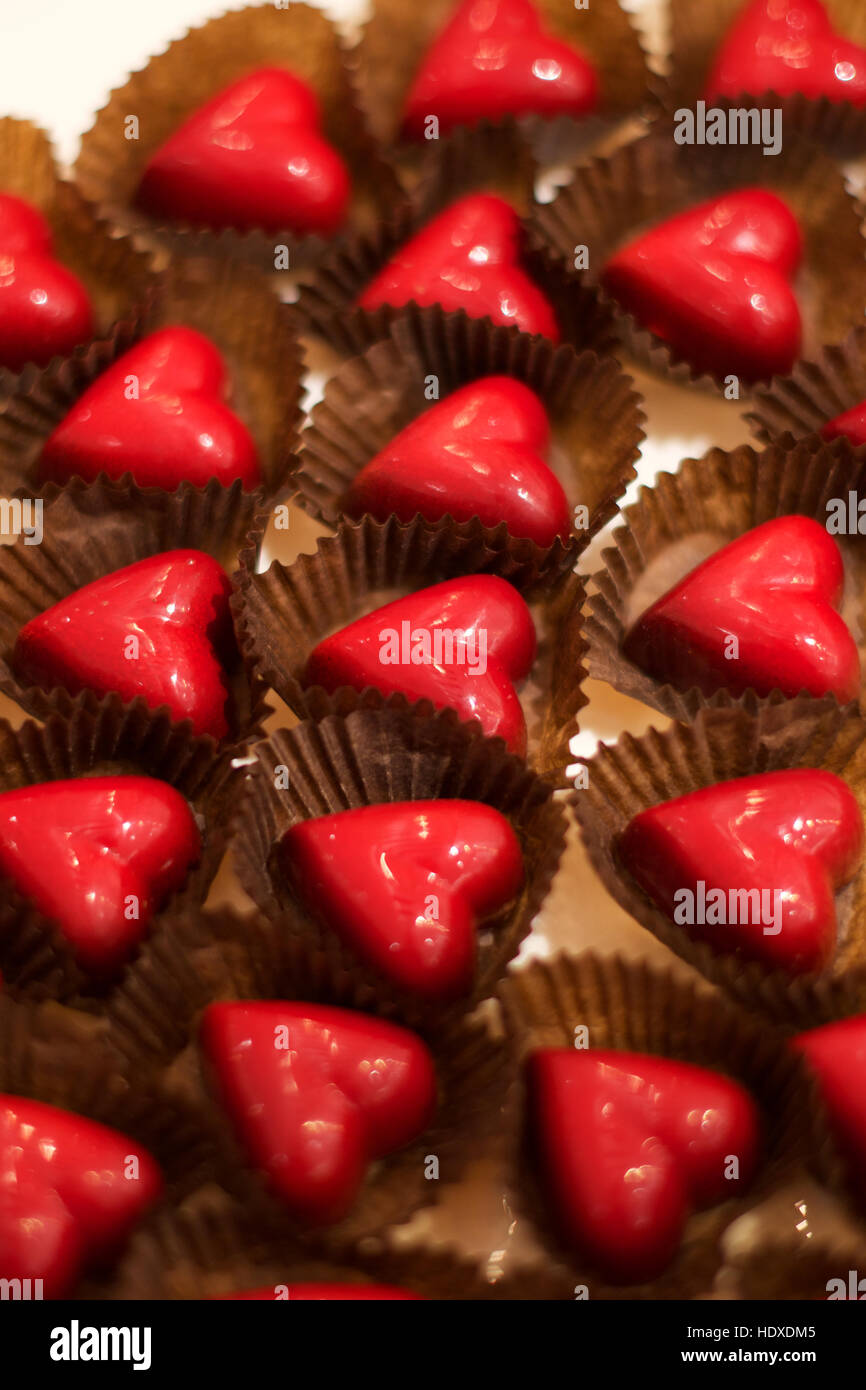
(595, 416)
(191, 71)
(35, 957)
(283, 613)
(91, 531)
(233, 306)
(800, 405)
(626, 777)
(653, 178)
(375, 756)
(211, 956)
(486, 159)
(687, 515)
(696, 35)
(625, 1004)
(116, 277)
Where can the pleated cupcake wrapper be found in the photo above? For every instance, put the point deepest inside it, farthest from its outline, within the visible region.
(212, 956)
(595, 414)
(798, 406)
(602, 32)
(36, 960)
(193, 69)
(630, 775)
(794, 1270)
(650, 180)
(91, 530)
(115, 275)
(282, 613)
(628, 1005)
(232, 305)
(696, 35)
(722, 495)
(486, 159)
(375, 756)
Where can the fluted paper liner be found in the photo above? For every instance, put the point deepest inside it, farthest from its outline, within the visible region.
(628, 1005)
(486, 159)
(210, 956)
(282, 613)
(92, 530)
(35, 957)
(800, 405)
(595, 414)
(232, 305)
(375, 756)
(687, 515)
(193, 69)
(630, 775)
(650, 180)
(116, 277)
(696, 35)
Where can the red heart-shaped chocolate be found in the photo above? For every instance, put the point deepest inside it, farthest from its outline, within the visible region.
(405, 884)
(321, 1293)
(71, 1191)
(316, 1094)
(158, 414)
(156, 629)
(837, 1052)
(787, 48)
(851, 424)
(759, 614)
(477, 453)
(494, 59)
(713, 282)
(630, 1145)
(44, 309)
(98, 855)
(460, 643)
(793, 838)
(468, 257)
(253, 156)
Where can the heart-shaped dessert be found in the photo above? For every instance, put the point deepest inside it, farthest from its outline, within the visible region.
(158, 413)
(851, 424)
(71, 1192)
(157, 629)
(758, 614)
(837, 1052)
(98, 856)
(467, 257)
(320, 1293)
(753, 864)
(713, 282)
(315, 1094)
(461, 644)
(405, 884)
(787, 48)
(253, 156)
(630, 1145)
(44, 309)
(494, 59)
(476, 453)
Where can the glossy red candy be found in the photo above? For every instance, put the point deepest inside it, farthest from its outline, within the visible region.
(478, 453)
(789, 839)
(461, 644)
(44, 309)
(630, 1145)
(406, 883)
(158, 413)
(156, 628)
(98, 856)
(851, 424)
(253, 156)
(71, 1192)
(713, 282)
(468, 257)
(759, 614)
(837, 1052)
(787, 48)
(323, 1293)
(494, 58)
(315, 1094)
